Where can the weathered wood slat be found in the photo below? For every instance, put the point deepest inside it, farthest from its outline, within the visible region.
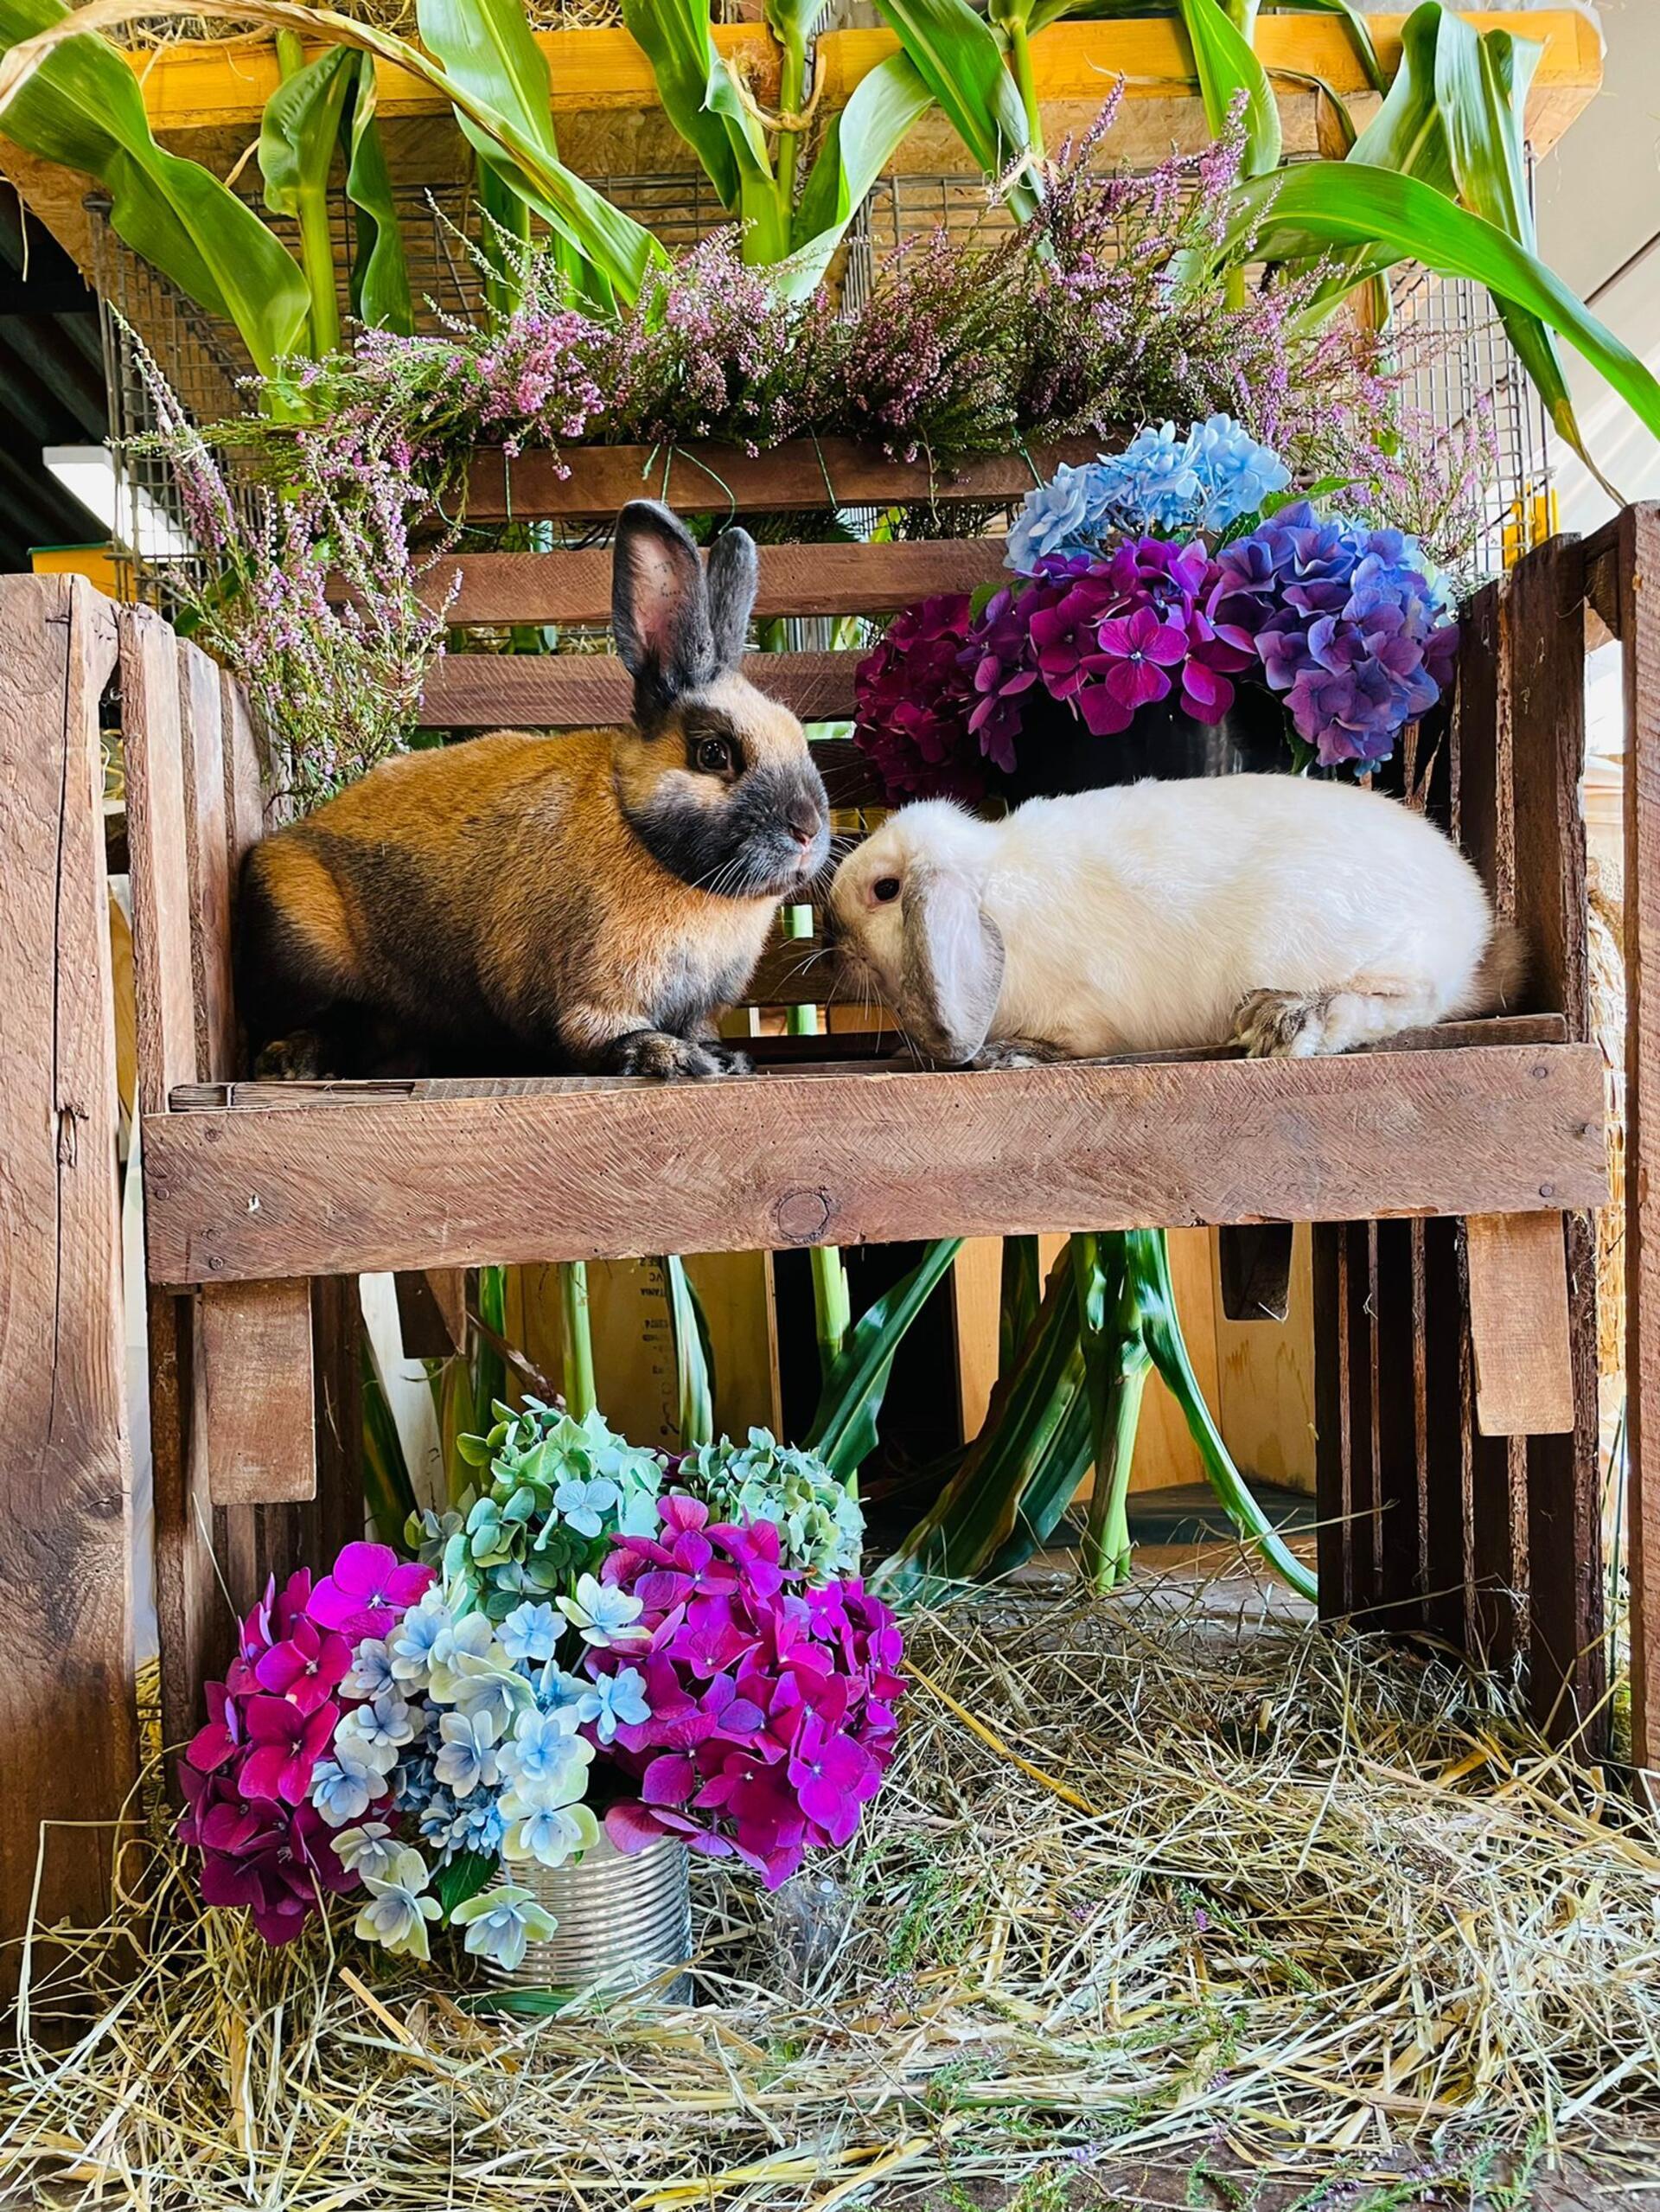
(575, 586)
(207, 837)
(152, 729)
(1567, 1671)
(241, 1193)
(1395, 1338)
(432, 1312)
(1519, 1325)
(704, 478)
(580, 691)
(1637, 620)
(69, 1726)
(254, 1342)
(1329, 1255)
(1362, 1533)
(827, 1056)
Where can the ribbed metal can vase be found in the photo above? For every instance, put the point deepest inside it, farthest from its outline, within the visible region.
(625, 1919)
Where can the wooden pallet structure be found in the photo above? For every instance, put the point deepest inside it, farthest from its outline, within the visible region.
(1452, 1175)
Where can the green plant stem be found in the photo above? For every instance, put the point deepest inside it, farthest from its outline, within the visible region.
(832, 1308)
(1116, 1364)
(792, 97)
(1025, 79)
(580, 1396)
(316, 247)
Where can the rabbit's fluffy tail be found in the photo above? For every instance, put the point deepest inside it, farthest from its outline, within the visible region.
(1504, 970)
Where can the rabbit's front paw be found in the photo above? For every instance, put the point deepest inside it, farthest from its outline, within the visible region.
(297, 1058)
(653, 1052)
(1015, 1052)
(1281, 1025)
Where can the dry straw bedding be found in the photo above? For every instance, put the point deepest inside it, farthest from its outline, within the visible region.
(1146, 1883)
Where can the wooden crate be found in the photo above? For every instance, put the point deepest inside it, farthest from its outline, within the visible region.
(1455, 1395)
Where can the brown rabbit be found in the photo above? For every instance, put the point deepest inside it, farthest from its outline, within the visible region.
(524, 903)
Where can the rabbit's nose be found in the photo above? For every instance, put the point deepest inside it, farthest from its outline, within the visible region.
(805, 820)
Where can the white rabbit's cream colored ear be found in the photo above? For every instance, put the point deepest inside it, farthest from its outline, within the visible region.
(952, 969)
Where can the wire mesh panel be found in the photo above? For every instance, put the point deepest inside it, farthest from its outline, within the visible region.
(1457, 371)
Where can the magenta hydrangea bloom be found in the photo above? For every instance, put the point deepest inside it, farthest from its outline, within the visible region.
(772, 1705)
(246, 1775)
(914, 695)
(370, 1589)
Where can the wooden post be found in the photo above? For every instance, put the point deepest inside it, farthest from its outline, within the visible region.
(1567, 1664)
(67, 1724)
(1638, 622)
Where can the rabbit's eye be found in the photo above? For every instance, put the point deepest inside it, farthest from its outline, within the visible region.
(885, 889)
(713, 755)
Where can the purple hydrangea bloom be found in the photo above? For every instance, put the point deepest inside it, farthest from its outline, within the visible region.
(913, 701)
(1348, 626)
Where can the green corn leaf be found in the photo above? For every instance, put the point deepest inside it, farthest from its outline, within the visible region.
(693, 1356)
(1054, 1483)
(984, 1505)
(958, 56)
(1481, 91)
(860, 141)
(1347, 203)
(698, 95)
(844, 1432)
(380, 275)
(1020, 1293)
(298, 134)
(82, 105)
(489, 55)
(1227, 67)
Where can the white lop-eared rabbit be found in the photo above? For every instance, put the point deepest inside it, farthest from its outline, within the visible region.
(1291, 917)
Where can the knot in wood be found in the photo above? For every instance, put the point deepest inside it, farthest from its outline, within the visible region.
(802, 1215)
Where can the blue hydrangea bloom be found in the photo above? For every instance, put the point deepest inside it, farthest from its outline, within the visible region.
(413, 1781)
(478, 1827)
(1236, 474)
(530, 1633)
(1066, 515)
(622, 1701)
(1154, 483)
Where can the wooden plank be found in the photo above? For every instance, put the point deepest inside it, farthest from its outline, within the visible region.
(702, 478)
(1330, 1244)
(337, 1517)
(1547, 647)
(1361, 1533)
(432, 1311)
(67, 1720)
(580, 691)
(1071, 62)
(850, 1048)
(244, 796)
(575, 586)
(1444, 1502)
(1637, 621)
(1398, 1604)
(1519, 1325)
(152, 728)
(207, 837)
(244, 1193)
(254, 1344)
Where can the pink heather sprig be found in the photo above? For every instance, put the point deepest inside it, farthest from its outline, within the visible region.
(246, 1775)
(772, 1703)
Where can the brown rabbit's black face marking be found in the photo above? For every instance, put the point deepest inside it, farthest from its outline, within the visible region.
(733, 810)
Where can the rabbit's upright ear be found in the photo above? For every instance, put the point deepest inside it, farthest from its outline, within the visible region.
(952, 969)
(660, 608)
(734, 573)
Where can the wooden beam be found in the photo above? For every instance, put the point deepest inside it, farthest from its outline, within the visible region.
(1567, 1670)
(1519, 1325)
(152, 726)
(778, 1161)
(1074, 64)
(584, 691)
(69, 1723)
(254, 1349)
(703, 477)
(1637, 621)
(432, 1312)
(796, 580)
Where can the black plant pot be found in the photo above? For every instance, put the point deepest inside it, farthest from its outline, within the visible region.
(1055, 755)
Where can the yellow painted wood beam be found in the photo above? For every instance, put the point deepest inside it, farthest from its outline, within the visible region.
(225, 84)
(1076, 63)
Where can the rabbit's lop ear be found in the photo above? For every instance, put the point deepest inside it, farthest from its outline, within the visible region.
(734, 572)
(952, 969)
(660, 608)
